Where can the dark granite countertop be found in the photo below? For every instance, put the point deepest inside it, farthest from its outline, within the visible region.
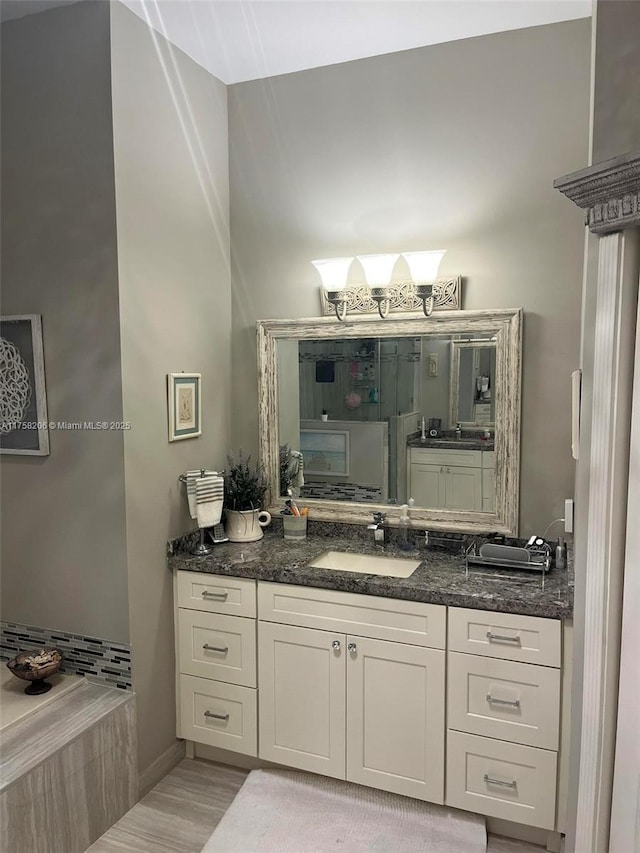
(440, 579)
(451, 443)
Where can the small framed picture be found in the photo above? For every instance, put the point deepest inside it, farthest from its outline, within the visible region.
(24, 428)
(185, 405)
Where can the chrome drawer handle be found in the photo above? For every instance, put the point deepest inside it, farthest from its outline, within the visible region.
(219, 596)
(500, 638)
(223, 649)
(216, 716)
(513, 784)
(512, 703)
(336, 645)
(352, 648)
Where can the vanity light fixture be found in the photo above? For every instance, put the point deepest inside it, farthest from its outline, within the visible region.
(334, 272)
(423, 267)
(377, 271)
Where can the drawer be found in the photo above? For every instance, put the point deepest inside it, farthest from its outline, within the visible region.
(218, 714)
(518, 702)
(217, 594)
(215, 646)
(411, 622)
(503, 780)
(463, 458)
(505, 635)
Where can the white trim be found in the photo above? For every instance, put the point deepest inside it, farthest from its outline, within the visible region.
(615, 320)
(625, 807)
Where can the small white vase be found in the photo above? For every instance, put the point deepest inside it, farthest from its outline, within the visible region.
(246, 526)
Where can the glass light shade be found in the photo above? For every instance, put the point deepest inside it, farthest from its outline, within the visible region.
(378, 268)
(333, 272)
(423, 266)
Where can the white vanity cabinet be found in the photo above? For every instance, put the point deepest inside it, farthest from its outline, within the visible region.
(503, 720)
(451, 479)
(356, 706)
(216, 661)
(389, 693)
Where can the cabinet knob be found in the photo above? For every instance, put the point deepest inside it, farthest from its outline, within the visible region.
(352, 648)
(336, 645)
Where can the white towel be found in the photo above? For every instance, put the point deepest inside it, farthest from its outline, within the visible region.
(209, 500)
(192, 476)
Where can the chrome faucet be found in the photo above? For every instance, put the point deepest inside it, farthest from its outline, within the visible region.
(380, 532)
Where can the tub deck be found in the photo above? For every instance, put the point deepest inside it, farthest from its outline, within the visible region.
(68, 772)
(15, 705)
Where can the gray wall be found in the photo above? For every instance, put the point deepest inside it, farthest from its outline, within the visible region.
(63, 521)
(454, 145)
(616, 95)
(171, 168)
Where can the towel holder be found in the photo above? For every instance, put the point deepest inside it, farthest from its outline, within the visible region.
(182, 478)
(202, 548)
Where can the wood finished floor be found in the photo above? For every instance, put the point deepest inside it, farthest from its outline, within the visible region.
(181, 812)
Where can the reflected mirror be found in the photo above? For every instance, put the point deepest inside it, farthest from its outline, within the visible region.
(386, 411)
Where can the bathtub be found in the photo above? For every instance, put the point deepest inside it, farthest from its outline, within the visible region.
(68, 768)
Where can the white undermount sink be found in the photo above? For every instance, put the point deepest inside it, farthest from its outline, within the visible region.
(365, 564)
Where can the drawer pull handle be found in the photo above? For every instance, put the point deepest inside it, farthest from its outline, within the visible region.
(512, 703)
(500, 638)
(336, 645)
(513, 784)
(352, 648)
(218, 596)
(216, 716)
(223, 649)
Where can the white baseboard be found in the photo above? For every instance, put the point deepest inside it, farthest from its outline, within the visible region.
(159, 768)
(530, 834)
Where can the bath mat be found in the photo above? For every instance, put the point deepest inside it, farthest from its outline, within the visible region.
(283, 811)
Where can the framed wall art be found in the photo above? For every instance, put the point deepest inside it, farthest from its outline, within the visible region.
(24, 426)
(185, 405)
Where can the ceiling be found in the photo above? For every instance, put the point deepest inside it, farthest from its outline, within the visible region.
(237, 40)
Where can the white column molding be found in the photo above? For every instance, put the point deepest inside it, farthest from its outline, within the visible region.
(625, 807)
(604, 570)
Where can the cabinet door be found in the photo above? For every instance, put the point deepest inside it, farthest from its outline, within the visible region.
(425, 485)
(302, 698)
(463, 489)
(395, 717)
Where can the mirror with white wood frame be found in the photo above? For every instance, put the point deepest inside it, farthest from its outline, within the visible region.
(387, 410)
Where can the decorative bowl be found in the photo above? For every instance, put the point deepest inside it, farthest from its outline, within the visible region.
(35, 666)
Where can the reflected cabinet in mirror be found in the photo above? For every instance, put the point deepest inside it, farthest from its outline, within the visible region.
(384, 411)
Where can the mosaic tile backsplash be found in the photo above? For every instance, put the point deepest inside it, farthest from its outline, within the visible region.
(342, 492)
(101, 661)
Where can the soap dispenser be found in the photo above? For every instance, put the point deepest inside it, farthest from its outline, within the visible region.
(404, 525)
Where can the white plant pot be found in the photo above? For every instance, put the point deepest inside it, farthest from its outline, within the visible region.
(246, 526)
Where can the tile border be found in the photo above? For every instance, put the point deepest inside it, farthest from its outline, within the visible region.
(101, 661)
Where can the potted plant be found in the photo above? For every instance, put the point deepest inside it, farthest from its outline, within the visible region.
(244, 489)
